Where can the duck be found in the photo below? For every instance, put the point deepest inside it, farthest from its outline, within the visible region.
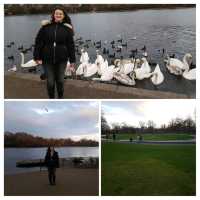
(30, 63)
(111, 55)
(157, 76)
(176, 66)
(11, 58)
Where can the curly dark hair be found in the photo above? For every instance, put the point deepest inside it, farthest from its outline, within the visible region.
(66, 19)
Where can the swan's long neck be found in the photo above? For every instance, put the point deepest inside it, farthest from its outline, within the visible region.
(186, 63)
(22, 61)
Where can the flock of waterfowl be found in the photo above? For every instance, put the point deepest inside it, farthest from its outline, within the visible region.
(125, 70)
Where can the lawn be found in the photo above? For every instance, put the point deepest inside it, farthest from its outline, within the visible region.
(156, 136)
(136, 169)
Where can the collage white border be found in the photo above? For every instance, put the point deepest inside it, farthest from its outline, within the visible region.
(197, 102)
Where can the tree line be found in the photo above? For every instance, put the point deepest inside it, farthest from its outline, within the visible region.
(19, 9)
(176, 125)
(28, 140)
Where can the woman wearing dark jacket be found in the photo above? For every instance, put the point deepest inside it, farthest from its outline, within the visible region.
(54, 46)
(52, 162)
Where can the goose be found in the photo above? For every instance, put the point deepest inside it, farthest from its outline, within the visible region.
(13, 69)
(157, 76)
(124, 79)
(176, 66)
(144, 71)
(190, 74)
(30, 63)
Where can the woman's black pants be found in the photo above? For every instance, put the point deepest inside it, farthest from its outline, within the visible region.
(55, 77)
(52, 175)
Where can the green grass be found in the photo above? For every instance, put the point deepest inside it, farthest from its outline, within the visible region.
(136, 169)
(156, 137)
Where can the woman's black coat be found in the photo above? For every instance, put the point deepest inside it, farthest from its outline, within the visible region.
(52, 161)
(54, 43)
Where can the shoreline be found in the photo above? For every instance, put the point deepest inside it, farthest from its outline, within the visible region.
(98, 8)
(15, 83)
(70, 182)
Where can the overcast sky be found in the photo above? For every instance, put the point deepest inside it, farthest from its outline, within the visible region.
(53, 119)
(160, 111)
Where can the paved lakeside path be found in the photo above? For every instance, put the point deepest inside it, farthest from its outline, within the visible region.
(70, 182)
(193, 141)
(29, 86)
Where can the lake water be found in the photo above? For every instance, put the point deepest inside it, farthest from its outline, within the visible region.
(12, 155)
(171, 29)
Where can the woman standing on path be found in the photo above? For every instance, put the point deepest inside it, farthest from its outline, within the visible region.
(52, 162)
(54, 46)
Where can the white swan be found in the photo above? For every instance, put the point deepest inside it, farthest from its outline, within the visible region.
(13, 69)
(84, 56)
(101, 65)
(176, 66)
(108, 74)
(99, 59)
(190, 74)
(119, 62)
(157, 76)
(127, 68)
(124, 79)
(30, 63)
(89, 69)
(84, 59)
(79, 70)
(144, 71)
